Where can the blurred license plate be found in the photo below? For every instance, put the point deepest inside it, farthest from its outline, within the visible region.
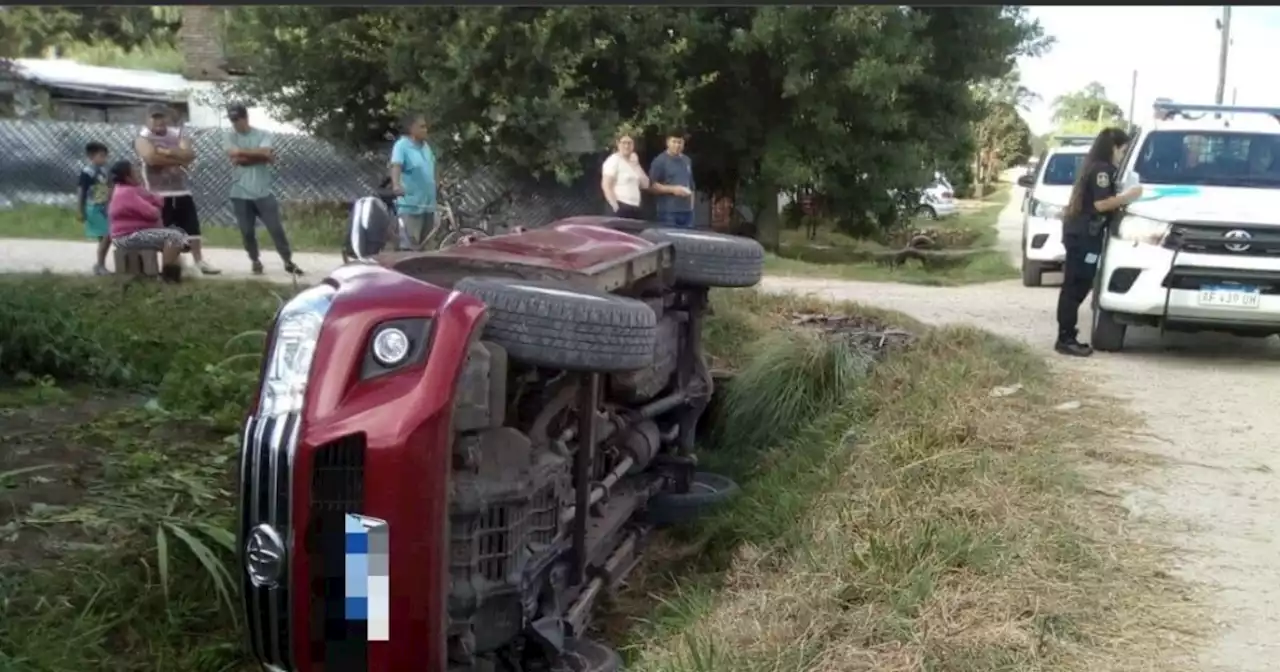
(1229, 296)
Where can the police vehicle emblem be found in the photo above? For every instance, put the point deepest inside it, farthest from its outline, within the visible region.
(1240, 240)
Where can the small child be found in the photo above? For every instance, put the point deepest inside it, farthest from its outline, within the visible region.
(134, 214)
(95, 192)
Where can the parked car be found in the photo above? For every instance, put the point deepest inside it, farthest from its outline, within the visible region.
(1200, 251)
(937, 200)
(453, 455)
(1047, 192)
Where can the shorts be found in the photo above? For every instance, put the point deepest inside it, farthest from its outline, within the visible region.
(150, 239)
(95, 221)
(179, 212)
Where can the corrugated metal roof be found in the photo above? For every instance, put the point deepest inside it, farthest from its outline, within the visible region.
(67, 74)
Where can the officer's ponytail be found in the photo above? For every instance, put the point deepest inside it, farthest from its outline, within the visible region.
(1101, 153)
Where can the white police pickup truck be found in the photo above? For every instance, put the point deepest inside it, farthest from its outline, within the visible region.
(1048, 190)
(1200, 251)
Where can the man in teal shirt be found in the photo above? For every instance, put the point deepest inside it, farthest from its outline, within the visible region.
(251, 153)
(413, 179)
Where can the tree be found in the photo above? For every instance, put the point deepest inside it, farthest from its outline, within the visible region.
(1001, 135)
(1089, 104)
(857, 100)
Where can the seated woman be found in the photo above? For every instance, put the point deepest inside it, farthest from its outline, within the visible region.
(134, 217)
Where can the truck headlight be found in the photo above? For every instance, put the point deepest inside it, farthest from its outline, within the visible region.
(289, 362)
(1142, 230)
(1046, 211)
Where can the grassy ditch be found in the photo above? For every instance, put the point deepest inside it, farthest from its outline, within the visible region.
(892, 518)
(966, 254)
(916, 521)
(310, 228)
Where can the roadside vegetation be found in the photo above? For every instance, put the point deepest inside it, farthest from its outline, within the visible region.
(311, 229)
(960, 249)
(894, 516)
(930, 516)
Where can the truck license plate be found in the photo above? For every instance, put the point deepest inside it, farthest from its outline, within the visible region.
(1219, 296)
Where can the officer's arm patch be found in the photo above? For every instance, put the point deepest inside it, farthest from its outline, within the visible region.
(1103, 179)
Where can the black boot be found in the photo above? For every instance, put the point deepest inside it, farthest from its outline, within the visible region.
(171, 273)
(1069, 345)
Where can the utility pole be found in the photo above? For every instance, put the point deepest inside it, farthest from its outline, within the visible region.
(1133, 97)
(1224, 25)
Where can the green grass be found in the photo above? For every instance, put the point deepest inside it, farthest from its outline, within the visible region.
(832, 254)
(914, 522)
(310, 229)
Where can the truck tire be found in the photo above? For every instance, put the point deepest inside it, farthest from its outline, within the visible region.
(585, 655)
(1108, 332)
(549, 324)
(706, 490)
(708, 259)
(1032, 273)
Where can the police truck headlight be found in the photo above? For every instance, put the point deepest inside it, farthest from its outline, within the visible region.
(292, 350)
(1046, 211)
(1143, 230)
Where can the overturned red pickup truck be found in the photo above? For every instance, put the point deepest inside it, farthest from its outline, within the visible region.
(452, 455)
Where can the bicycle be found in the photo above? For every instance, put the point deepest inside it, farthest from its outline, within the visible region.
(375, 222)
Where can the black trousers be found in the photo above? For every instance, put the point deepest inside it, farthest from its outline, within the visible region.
(1078, 271)
(628, 211)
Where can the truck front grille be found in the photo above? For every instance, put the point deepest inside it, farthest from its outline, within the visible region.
(266, 461)
(1224, 238)
(337, 489)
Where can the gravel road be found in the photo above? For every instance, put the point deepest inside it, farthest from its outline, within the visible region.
(1206, 397)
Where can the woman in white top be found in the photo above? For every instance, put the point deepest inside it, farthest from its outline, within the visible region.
(623, 179)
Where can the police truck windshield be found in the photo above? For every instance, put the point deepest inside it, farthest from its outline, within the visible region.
(1209, 158)
(1062, 168)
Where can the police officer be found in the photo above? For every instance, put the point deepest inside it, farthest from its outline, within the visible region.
(1084, 222)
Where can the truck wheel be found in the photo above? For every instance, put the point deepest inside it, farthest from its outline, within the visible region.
(1108, 333)
(708, 259)
(549, 324)
(585, 655)
(706, 491)
(1031, 273)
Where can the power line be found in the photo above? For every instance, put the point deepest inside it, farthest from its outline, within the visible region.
(1224, 26)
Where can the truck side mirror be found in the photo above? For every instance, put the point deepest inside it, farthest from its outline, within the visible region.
(1027, 181)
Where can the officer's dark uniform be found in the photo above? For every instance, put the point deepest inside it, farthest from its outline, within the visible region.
(1082, 236)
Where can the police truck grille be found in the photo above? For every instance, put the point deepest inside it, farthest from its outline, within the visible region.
(266, 459)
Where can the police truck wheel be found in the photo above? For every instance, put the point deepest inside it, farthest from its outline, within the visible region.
(1108, 333)
(551, 325)
(708, 259)
(1032, 273)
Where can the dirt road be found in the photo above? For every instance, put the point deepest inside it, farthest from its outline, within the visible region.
(1210, 399)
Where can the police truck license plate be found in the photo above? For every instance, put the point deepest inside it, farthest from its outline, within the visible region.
(1220, 296)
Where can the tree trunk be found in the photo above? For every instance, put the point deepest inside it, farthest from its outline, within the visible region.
(768, 221)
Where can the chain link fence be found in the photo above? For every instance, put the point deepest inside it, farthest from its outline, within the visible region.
(42, 160)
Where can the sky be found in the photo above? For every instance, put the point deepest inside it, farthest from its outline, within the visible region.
(1174, 49)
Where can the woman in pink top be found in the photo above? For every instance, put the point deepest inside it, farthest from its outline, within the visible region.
(134, 216)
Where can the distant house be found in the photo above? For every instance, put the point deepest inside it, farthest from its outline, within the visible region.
(64, 90)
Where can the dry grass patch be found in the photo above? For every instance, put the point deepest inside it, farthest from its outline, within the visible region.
(923, 523)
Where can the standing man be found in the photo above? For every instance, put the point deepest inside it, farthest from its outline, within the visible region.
(671, 181)
(250, 151)
(165, 155)
(413, 180)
